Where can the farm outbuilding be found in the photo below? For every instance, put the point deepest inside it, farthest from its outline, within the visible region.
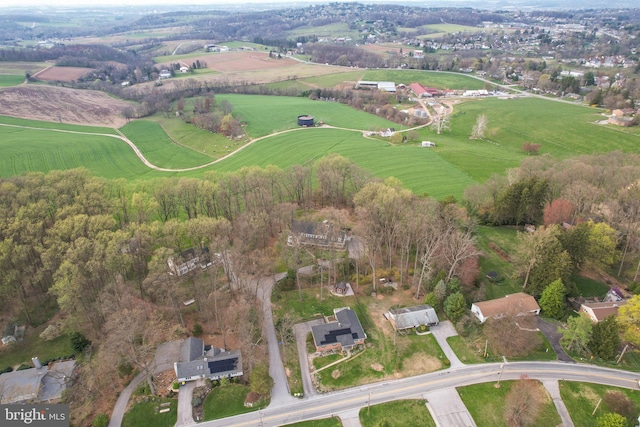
(305, 120)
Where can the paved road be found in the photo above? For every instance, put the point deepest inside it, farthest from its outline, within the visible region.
(414, 388)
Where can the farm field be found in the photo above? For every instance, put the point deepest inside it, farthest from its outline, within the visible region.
(11, 79)
(27, 150)
(439, 79)
(62, 74)
(62, 105)
(265, 115)
(20, 68)
(159, 149)
(57, 126)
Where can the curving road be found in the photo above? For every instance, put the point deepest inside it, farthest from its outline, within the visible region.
(353, 399)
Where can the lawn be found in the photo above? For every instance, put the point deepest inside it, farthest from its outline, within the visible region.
(581, 399)
(10, 79)
(22, 352)
(147, 414)
(486, 403)
(399, 413)
(226, 401)
(320, 362)
(292, 367)
(464, 351)
(325, 422)
(159, 149)
(589, 288)
(505, 239)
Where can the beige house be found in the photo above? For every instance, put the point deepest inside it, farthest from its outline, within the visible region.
(598, 311)
(520, 303)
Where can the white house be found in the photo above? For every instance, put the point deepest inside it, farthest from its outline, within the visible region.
(165, 74)
(520, 303)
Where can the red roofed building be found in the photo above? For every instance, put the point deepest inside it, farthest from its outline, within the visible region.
(419, 90)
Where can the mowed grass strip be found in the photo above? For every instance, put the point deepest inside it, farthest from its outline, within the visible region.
(11, 80)
(399, 413)
(267, 114)
(226, 401)
(59, 126)
(159, 149)
(27, 150)
(324, 422)
(421, 170)
(144, 414)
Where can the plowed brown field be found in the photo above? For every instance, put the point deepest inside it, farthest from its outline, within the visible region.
(62, 74)
(54, 104)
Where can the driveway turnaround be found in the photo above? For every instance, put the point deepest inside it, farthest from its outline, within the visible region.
(447, 408)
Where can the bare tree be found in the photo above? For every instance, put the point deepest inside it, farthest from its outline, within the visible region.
(480, 128)
(523, 402)
(440, 122)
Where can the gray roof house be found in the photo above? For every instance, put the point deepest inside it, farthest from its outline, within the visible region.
(341, 332)
(39, 384)
(412, 317)
(200, 361)
(322, 234)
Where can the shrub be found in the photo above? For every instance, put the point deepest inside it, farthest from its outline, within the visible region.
(175, 385)
(101, 420)
(124, 368)
(52, 332)
(6, 370)
(197, 330)
(79, 342)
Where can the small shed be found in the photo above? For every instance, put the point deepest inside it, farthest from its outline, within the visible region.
(428, 144)
(305, 120)
(493, 276)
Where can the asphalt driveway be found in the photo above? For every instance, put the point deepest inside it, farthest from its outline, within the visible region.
(550, 331)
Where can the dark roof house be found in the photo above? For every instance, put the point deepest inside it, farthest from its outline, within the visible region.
(342, 332)
(197, 361)
(322, 234)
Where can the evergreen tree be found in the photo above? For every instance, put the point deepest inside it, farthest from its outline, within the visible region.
(605, 338)
(552, 301)
(455, 306)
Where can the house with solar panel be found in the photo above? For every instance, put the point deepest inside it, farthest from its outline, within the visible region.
(342, 331)
(200, 361)
(412, 317)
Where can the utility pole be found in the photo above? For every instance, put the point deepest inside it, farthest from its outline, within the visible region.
(500, 375)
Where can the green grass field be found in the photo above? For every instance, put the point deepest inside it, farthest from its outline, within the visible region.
(581, 400)
(22, 352)
(11, 79)
(147, 414)
(486, 403)
(589, 288)
(41, 150)
(159, 149)
(266, 114)
(439, 79)
(399, 413)
(325, 422)
(226, 401)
